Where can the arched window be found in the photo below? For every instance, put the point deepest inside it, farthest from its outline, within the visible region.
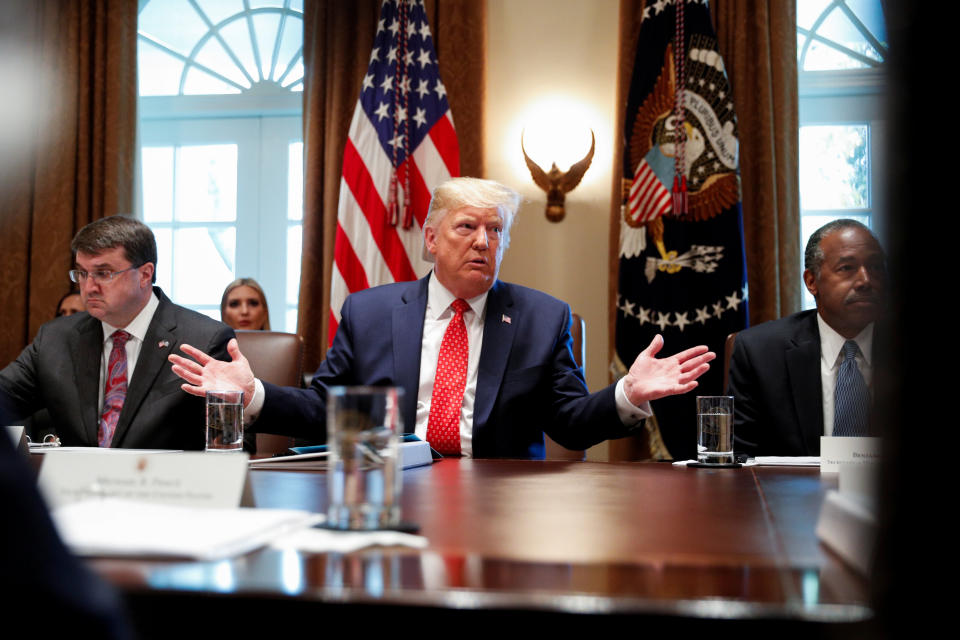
(841, 49)
(220, 85)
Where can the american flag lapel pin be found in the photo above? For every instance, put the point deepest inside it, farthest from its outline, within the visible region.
(505, 318)
(163, 344)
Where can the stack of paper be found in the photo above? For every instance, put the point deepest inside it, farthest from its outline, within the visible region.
(788, 461)
(112, 527)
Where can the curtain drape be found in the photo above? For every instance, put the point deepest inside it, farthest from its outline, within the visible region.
(758, 42)
(338, 37)
(67, 144)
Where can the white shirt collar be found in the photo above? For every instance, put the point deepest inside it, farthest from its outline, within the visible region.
(140, 323)
(439, 299)
(831, 342)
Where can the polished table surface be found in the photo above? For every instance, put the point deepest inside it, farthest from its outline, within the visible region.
(561, 537)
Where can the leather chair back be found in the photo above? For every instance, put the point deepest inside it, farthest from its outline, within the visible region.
(727, 354)
(554, 451)
(277, 358)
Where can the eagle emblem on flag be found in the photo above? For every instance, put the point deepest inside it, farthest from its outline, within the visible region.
(711, 152)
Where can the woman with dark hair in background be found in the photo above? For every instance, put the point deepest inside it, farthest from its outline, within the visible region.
(244, 306)
(70, 304)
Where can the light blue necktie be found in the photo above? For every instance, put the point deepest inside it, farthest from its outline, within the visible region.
(851, 397)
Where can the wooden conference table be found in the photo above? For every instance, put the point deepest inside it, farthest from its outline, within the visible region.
(558, 542)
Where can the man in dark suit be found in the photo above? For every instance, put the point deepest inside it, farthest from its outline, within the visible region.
(102, 375)
(785, 375)
(486, 366)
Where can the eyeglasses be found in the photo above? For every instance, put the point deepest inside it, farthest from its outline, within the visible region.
(101, 276)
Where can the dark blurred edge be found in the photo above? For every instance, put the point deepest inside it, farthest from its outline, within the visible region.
(917, 495)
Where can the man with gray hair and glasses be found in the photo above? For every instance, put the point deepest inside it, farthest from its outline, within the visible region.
(487, 367)
(102, 374)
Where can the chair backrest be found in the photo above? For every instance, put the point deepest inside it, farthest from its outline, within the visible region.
(553, 451)
(727, 354)
(274, 356)
(578, 330)
(277, 358)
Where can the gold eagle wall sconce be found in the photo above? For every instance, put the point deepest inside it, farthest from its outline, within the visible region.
(558, 183)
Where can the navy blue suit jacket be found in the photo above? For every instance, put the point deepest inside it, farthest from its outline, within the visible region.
(527, 382)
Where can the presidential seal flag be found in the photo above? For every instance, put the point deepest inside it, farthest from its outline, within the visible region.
(400, 146)
(681, 269)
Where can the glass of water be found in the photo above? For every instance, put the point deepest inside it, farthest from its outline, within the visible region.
(364, 473)
(224, 420)
(715, 429)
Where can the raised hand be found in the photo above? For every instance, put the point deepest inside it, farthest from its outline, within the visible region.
(204, 373)
(651, 378)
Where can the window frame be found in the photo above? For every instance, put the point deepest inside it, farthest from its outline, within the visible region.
(847, 97)
(267, 118)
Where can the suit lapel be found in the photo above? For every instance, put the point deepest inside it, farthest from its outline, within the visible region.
(498, 334)
(803, 365)
(157, 345)
(407, 323)
(87, 352)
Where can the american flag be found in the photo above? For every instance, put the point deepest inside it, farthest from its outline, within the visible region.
(401, 145)
(649, 199)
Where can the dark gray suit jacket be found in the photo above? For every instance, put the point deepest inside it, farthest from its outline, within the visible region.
(60, 371)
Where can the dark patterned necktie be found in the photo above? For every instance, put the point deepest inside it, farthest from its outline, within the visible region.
(446, 401)
(115, 388)
(851, 397)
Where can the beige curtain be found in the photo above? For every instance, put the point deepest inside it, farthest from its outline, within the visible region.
(67, 144)
(338, 37)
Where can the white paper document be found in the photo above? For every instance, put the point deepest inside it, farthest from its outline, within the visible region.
(325, 540)
(788, 461)
(684, 463)
(284, 461)
(113, 527)
(41, 447)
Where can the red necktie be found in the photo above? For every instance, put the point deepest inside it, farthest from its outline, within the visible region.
(443, 425)
(115, 389)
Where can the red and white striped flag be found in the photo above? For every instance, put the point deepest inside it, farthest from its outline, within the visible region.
(401, 145)
(649, 199)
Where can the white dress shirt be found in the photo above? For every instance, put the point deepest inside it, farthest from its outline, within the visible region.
(435, 321)
(831, 355)
(138, 331)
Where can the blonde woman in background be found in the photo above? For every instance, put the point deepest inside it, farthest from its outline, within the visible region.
(244, 306)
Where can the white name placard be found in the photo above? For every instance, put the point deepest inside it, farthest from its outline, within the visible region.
(835, 451)
(195, 479)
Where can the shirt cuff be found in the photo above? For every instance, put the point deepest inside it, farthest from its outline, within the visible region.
(252, 411)
(628, 412)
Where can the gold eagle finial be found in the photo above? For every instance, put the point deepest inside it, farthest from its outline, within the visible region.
(557, 183)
